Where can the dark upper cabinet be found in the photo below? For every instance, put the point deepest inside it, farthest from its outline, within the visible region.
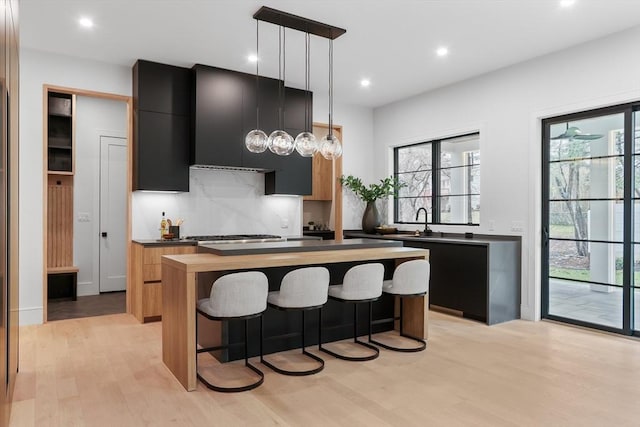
(162, 107)
(161, 88)
(162, 163)
(294, 174)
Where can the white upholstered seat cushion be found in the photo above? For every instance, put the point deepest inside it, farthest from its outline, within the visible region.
(301, 288)
(361, 282)
(409, 278)
(236, 295)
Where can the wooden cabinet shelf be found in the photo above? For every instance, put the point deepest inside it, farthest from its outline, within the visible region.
(60, 132)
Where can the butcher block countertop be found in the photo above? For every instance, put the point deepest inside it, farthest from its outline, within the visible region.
(194, 263)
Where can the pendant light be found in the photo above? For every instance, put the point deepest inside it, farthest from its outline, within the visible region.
(330, 146)
(306, 144)
(256, 140)
(280, 142)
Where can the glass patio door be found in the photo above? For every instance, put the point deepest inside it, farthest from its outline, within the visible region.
(591, 207)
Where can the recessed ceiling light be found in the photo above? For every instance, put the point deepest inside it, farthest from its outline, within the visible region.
(567, 3)
(365, 82)
(85, 22)
(442, 51)
(253, 58)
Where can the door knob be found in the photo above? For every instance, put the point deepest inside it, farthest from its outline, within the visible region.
(104, 234)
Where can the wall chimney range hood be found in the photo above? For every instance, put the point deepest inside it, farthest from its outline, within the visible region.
(223, 106)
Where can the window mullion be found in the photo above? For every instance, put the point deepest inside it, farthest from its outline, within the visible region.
(627, 253)
(435, 192)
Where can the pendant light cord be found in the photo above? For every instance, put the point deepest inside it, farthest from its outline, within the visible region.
(257, 74)
(331, 88)
(281, 74)
(307, 82)
(284, 73)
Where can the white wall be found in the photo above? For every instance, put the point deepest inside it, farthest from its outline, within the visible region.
(506, 106)
(36, 69)
(94, 117)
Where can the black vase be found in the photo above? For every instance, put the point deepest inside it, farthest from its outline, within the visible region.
(370, 218)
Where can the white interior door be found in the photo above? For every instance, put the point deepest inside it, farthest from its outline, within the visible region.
(113, 208)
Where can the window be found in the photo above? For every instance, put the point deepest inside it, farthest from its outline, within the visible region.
(443, 176)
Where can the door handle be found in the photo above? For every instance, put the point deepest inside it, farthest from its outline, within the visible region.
(545, 236)
(103, 234)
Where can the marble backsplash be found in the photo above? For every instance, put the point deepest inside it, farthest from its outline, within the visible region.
(219, 202)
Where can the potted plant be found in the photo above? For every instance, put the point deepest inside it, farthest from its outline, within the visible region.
(387, 187)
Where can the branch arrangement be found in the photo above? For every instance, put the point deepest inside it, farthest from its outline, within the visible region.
(387, 187)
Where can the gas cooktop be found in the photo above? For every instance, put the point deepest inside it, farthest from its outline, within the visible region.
(236, 238)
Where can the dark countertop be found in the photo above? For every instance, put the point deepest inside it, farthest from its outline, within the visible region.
(437, 237)
(296, 246)
(296, 238)
(158, 243)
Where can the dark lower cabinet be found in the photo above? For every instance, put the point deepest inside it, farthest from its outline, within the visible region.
(479, 277)
(480, 280)
(161, 152)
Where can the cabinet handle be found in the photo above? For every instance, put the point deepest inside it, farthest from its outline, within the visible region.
(103, 234)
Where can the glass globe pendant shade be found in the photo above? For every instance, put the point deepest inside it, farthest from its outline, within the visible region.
(306, 144)
(256, 141)
(281, 143)
(330, 147)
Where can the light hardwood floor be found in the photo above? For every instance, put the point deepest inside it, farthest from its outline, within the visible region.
(107, 371)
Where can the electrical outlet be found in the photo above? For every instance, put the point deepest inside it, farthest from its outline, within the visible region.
(492, 225)
(284, 223)
(517, 226)
(83, 217)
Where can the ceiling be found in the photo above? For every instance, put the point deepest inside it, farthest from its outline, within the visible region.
(391, 42)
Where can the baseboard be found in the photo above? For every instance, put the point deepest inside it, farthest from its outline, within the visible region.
(87, 288)
(527, 313)
(30, 316)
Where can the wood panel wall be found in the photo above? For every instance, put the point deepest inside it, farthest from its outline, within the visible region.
(59, 221)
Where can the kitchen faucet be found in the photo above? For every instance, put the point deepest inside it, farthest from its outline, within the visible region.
(427, 230)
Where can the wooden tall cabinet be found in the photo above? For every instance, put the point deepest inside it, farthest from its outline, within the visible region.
(60, 168)
(9, 104)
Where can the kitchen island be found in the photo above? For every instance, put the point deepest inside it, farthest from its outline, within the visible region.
(186, 278)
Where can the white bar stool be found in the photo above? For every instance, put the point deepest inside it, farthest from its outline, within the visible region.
(361, 284)
(301, 290)
(410, 279)
(235, 296)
